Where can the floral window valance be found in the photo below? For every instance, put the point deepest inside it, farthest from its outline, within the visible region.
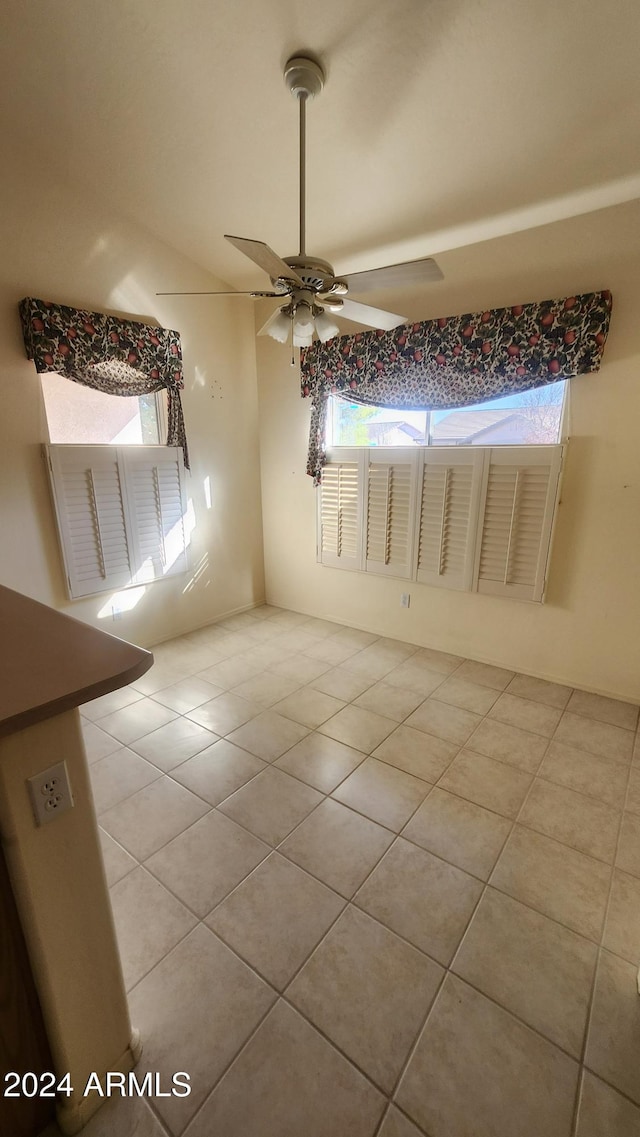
(455, 361)
(108, 353)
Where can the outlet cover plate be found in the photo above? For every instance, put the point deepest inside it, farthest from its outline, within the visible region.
(50, 793)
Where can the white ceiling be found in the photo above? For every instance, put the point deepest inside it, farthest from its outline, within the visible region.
(442, 122)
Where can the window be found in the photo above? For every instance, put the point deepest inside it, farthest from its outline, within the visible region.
(473, 519)
(121, 512)
(531, 418)
(82, 415)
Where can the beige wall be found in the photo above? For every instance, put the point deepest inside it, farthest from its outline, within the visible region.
(588, 632)
(59, 246)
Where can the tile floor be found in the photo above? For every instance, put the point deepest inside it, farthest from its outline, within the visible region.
(364, 888)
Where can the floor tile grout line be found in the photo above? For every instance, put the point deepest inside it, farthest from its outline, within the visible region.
(516, 1017)
(596, 970)
(534, 777)
(219, 736)
(273, 763)
(554, 919)
(577, 1098)
(159, 1119)
(347, 903)
(281, 992)
(351, 900)
(180, 899)
(448, 969)
(182, 938)
(396, 833)
(484, 882)
(170, 773)
(383, 1118)
(503, 761)
(396, 1105)
(575, 790)
(430, 695)
(214, 805)
(587, 1069)
(142, 860)
(418, 648)
(280, 995)
(336, 1045)
(445, 968)
(231, 1062)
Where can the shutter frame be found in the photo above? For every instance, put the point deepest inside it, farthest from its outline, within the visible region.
(538, 468)
(340, 510)
(517, 511)
(452, 498)
(390, 489)
(92, 528)
(155, 502)
(97, 519)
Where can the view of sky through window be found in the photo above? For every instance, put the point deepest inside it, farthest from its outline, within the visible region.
(529, 418)
(82, 415)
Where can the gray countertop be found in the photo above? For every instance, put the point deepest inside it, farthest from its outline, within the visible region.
(50, 662)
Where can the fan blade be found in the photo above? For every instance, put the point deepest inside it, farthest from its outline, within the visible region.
(365, 314)
(394, 276)
(265, 257)
(256, 295)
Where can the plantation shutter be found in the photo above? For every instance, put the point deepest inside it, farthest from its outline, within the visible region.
(447, 520)
(120, 514)
(340, 513)
(517, 510)
(90, 513)
(390, 497)
(154, 478)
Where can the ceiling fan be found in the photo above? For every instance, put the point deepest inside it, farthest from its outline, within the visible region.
(310, 285)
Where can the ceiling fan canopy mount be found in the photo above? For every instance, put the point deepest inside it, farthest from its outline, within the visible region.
(304, 76)
(309, 282)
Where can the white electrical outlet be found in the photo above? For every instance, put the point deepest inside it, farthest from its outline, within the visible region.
(404, 599)
(50, 793)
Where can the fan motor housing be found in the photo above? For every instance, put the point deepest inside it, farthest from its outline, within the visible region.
(318, 275)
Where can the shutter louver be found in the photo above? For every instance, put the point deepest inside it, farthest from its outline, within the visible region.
(516, 528)
(91, 520)
(447, 525)
(340, 514)
(390, 515)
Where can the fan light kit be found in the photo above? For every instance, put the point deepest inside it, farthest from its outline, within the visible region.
(312, 288)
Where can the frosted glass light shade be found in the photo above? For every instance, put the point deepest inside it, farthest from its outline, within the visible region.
(302, 341)
(277, 327)
(325, 327)
(303, 320)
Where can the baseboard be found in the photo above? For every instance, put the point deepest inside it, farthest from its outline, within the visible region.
(210, 623)
(73, 1114)
(549, 677)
